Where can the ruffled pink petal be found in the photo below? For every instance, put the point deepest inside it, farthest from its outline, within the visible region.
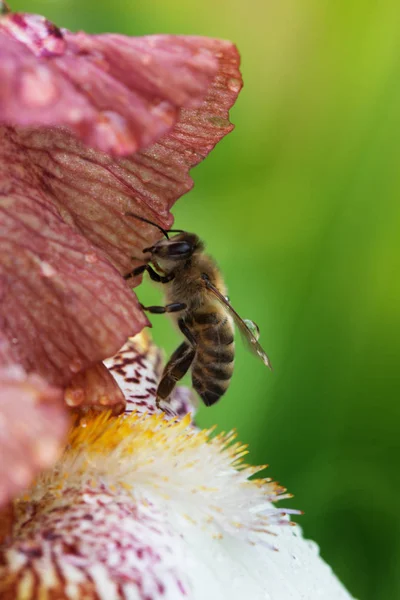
(32, 428)
(119, 94)
(92, 190)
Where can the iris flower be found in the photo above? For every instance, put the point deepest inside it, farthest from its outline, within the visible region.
(133, 503)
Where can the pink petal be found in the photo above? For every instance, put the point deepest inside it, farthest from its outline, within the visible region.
(64, 307)
(32, 429)
(118, 93)
(95, 388)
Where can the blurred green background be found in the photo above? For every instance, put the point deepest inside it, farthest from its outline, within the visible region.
(300, 206)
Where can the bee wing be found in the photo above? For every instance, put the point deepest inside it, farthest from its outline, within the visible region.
(247, 333)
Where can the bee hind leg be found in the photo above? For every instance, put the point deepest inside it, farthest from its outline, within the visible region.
(177, 366)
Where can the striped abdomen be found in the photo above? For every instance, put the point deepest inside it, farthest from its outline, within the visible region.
(212, 366)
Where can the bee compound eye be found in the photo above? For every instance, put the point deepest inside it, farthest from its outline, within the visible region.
(179, 249)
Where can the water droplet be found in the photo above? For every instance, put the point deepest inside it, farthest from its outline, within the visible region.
(75, 365)
(146, 59)
(253, 328)
(313, 547)
(37, 88)
(162, 110)
(297, 564)
(234, 84)
(38, 34)
(91, 258)
(45, 451)
(75, 115)
(145, 176)
(74, 397)
(47, 270)
(219, 122)
(20, 474)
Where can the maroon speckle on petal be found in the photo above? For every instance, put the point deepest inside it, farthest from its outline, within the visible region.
(137, 368)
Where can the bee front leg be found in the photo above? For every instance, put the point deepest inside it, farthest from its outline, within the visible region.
(153, 274)
(177, 366)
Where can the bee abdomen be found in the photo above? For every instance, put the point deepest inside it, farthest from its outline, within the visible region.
(208, 382)
(213, 366)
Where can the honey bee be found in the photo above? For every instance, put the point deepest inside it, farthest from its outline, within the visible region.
(196, 300)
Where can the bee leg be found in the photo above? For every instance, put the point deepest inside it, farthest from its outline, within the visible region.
(169, 308)
(174, 370)
(153, 274)
(186, 332)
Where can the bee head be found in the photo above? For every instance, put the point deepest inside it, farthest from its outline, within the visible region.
(168, 254)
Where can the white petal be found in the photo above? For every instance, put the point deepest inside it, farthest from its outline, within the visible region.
(137, 369)
(89, 543)
(231, 568)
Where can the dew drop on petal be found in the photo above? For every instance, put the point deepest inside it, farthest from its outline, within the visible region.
(45, 451)
(46, 269)
(296, 561)
(21, 475)
(74, 397)
(163, 110)
(37, 88)
(313, 546)
(38, 34)
(75, 115)
(146, 59)
(219, 122)
(91, 258)
(146, 176)
(75, 365)
(234, 84)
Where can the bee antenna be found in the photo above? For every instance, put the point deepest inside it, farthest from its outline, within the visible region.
(163, 231)
(176, 231)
